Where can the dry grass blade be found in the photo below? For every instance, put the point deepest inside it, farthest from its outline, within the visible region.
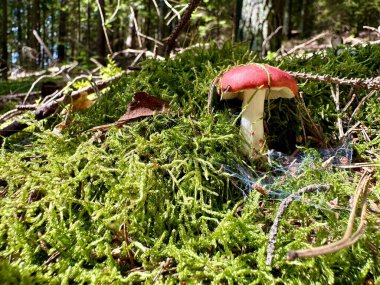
(348, 239)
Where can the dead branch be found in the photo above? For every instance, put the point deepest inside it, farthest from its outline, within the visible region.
(36, 35)
(305, 43)
(335, 94)
(366, 83)
(284, 205)
(17, 96)
(56, 105)
(349, 238)
(267, 40)
(104, 27)
(361, 103)
(170, 43)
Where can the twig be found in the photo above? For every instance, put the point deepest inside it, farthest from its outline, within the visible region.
(360, 165)
(267, 39)
(170, 43)
(315, 129)
(44, 46)
(335, 95)
(305, 43)
(164, 266)
(136, 26)
(104, 26)
(62, 70)
(115, 12)
(353, 96)
(52, 107)
(178, 15)
(361, 103)
(18, 96)
(8, 115)
(366, 83)
(284, 205)
(372, 29)
(348, 239)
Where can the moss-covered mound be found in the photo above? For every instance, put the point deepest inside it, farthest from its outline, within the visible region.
(152, 202)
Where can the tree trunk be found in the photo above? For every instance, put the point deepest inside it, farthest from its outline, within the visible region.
(4, 38)
(88, 28)
(36, 24)
(19, 31)
(307, 19)
(257, 19)
(62, 33)
(101, 39)
(254, 22)
(287, 24)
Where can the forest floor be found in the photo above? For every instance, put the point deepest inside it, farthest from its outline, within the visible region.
(172, 198)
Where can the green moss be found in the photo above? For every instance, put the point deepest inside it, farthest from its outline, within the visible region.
(74, 208)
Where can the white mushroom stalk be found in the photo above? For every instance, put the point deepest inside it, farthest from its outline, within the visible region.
(252, 125)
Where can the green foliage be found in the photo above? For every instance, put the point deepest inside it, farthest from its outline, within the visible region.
(73, 208)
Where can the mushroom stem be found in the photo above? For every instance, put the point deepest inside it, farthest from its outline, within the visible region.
(252, 126)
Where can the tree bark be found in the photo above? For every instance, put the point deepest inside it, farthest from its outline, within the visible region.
(36, 24)
(257, 19)
(4, 39)
(62, 33)
(307, 19)
(88, 28)
(287, 24)
(19, 31)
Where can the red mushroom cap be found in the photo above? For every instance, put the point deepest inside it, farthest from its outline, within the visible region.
(255, 75)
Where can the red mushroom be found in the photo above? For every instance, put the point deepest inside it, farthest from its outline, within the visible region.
(253, 84)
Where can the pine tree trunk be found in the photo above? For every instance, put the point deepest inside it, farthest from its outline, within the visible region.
(4, 39)
(62, 33)
(256, 20)
(19, 32)
(253, 24)
(36, 23)
(287, 24)
(88, 28)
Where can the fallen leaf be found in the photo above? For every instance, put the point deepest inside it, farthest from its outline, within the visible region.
(143, 105)
(82, 103)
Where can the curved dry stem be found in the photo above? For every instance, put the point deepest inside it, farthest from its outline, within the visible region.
(348, 239)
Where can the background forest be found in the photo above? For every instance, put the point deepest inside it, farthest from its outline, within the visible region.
(73, 30)
(120, 165)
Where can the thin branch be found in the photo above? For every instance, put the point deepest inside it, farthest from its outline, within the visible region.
(115, 12)
(348, 239)
(372, 29)
(361, 103)
(267, 39)
(170, 43)
(136, 26)
(62, 70)
(44, 46)
(18, 96)
(366, 83)
(305, 43)
(104, 26)
(284, 205)
(178, 15)
(335, 95)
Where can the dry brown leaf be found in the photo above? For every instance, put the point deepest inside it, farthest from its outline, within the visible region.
(143, 105)
(82, 103)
